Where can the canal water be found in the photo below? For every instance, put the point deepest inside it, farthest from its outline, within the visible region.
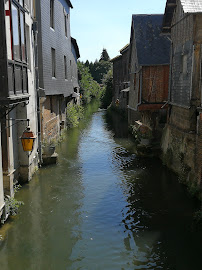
(102, 208)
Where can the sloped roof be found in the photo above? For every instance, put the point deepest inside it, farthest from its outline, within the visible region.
(116, 58)
(192, 6)
(189, 6)
(125, 48)
(76, 47)
(69, 3)
(152, 47)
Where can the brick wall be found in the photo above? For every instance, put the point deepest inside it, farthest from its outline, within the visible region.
(50, 118)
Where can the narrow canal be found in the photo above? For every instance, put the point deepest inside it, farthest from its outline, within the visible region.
(102, 208)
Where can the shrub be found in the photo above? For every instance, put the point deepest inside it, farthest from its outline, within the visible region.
(74, 114)
(12, 205)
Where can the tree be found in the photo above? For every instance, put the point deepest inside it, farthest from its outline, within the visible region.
(108, 89)
(89, 87)
(104, 56)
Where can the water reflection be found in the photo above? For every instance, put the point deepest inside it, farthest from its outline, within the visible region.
(102, 207)
(158, 217)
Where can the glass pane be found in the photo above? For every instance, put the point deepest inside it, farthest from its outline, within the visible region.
(15, 26)
(22, 35)
(18, 79)
(25, 88)
(21, 2)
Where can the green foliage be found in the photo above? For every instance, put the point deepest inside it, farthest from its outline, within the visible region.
(74, 114)
(89, 87)
(12, 205)
(104, 55)
(100, 68)
(198, 216)
(108, 89)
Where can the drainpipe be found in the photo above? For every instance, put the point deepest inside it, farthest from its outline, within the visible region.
(35, 31)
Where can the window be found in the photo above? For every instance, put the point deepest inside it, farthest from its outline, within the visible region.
(52, 14)
(16, 36)
(65, 18)
(18, 32)
(22, 34)
(27, 31)
(53, 63)
(70, 62)
(65, 66)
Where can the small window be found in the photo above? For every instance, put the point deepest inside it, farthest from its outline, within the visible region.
(53, 63)
(65, 18)
(16, 37)
(27, 31)
(70, 62)
(52, 14)
(22, 32)
(65, 66)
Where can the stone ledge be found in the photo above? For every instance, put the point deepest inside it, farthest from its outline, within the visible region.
(48, 160)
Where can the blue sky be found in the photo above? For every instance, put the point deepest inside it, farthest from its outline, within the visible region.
(98, 24)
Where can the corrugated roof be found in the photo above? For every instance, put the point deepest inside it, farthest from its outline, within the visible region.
(152, 47)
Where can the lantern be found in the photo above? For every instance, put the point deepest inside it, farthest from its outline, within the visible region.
(28, 139)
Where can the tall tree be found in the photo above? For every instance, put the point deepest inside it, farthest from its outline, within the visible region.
(104, 56)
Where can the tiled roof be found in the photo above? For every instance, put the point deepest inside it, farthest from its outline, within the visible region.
(192, 6)
(152, 47)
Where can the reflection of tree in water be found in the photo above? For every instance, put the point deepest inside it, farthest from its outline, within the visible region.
(117, 124)
(158, 215)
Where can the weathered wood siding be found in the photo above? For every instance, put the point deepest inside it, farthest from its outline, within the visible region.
(135, 75)
(182, 57)
(155, 84)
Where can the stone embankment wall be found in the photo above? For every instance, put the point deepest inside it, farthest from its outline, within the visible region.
(181, 146)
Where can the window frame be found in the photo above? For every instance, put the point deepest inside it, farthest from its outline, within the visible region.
(53, 62)
(18, 65)
(52, 17)
(65, 66)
